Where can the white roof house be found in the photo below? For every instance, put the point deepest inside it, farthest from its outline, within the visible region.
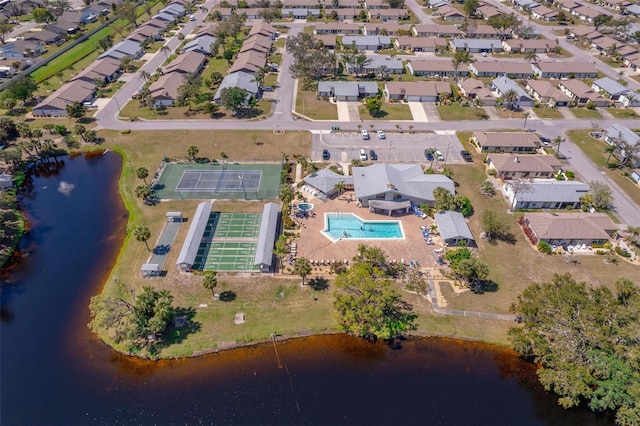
(546, 194)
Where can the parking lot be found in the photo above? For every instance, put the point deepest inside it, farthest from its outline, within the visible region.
(397, 147)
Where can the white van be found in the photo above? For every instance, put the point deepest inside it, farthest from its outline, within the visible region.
(363, 154)
(364, 134)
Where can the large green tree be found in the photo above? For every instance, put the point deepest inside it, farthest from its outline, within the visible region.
(233, 98)
(23, 88)
(367, 306)
(586, 340)
(302, 267)
(137, 323)
(76, 110)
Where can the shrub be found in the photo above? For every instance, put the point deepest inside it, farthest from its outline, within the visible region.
(622, 252)
(570, 175)
(544, 247)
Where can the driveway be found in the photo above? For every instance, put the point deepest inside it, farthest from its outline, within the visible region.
(348, 111)
(418, 112)
(432, 112)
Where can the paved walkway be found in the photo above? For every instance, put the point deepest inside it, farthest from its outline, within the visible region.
(163, 246)
(418, 112)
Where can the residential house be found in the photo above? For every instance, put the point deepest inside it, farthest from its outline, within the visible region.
(436, 68)
(263, 28)
(563, 70)
(105, 70)
(337, 28)
(633, 9)
(487, 11)
(475, 89)
(386, 29)
(420, 44)
(347, 14)
(499, 68)
(393, 66)
(300, 13)
(128, 48)
(240, 79)
(44, 36)
(545, 194)
(201, 44)
(585, 13)
(544, 13)
(187, 63)
(523, 166)
(583, 32)
(389, 187)
(483, 32)
(623, 139)
(618, 5)
(164, 91)
(506, 142)
(376, 4)
(347, 90)
(475, 45)
(416, 91)
(349, 4)
(145, 34)
(581, 94)
(615, 91)
(502, 85)
(55, 105)
(528, 45)
(257, 42)
(435, 4)
(251, 62)
(300, 4)
(453, 229)
(436, 30)
(328, 41)
(547, 94)
(364, 42)
(569, 229)
(22, 49)
(388, 15)
(450, 13)
(635, 175)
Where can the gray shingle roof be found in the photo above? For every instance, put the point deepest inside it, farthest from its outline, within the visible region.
(325, 180)
(553, 191)
(194, 235)
(267, 236)
(406, 179)
(200, 44)
(239, 79)
(618, 130)
(477, 43)
(610, 86)
(452, 225)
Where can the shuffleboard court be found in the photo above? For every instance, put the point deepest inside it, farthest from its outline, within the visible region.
(219, 181)
(230, 242)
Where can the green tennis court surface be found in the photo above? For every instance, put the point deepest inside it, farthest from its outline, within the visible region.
(230, 242)
(219, 181)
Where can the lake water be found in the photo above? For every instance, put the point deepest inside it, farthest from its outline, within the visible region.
(55, 372)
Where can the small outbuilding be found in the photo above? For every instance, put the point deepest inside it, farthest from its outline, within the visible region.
(267, 237)
(150, 270)
(454, 229)
(187, 256)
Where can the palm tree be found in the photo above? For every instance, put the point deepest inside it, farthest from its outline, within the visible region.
(281, 250)
(525, 115)
(531, 56)
(510, 97)
(339, 187)
(399, 128)
(411, 128)
(142, 173)
(302, 267)
(210, 281)
(143, 191)
(286, 194)
(633, 233)
(192, 151)
(144, 75)
(142, 233)
(165, 50)
(610, 150)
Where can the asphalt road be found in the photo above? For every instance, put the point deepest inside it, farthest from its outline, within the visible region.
(409, 148)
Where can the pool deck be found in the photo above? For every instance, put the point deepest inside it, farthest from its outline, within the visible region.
(313, 245)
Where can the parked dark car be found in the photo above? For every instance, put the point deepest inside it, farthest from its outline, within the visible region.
(373, 155)
(466, 156)
(325, 154)
(546, 140)
(428, 154)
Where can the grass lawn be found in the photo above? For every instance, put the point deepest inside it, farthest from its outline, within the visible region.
(585, 113)
(276, 58)
(280, 42)
(62, 62)
(514, 266)
(455, 111)
(594, 149)
(270, 79)
(507, 113)
(307, 104)
(393, 112)
(548, 113)
(622, 113)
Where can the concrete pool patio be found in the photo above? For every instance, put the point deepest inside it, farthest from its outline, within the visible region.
(313, 245)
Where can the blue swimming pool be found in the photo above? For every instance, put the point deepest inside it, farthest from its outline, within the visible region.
(343, 226)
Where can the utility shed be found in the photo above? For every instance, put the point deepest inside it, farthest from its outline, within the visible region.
(187, 255)
(453, 228)
(174, 217)
(267, 237)
(150, 270)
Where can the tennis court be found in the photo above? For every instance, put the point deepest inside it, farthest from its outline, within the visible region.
(219, 181)
(230, 242)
